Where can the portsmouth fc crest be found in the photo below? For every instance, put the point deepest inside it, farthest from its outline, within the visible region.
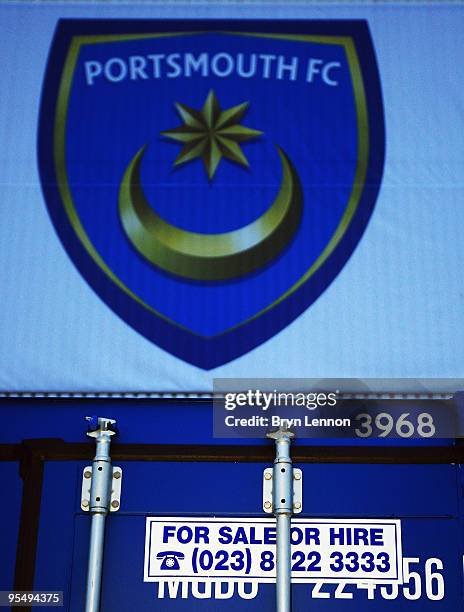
(210, 179)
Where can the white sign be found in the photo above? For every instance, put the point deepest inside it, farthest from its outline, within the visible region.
(241, 549)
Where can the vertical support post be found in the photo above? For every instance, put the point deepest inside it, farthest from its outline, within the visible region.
(282, 505)
(31, 471)
(100, 497)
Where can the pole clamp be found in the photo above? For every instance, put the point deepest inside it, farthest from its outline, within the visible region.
(268, 490)
(98, 504)
(101, 481)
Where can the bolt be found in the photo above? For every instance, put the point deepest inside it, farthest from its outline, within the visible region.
(115, 503)
(297, 506)
(267, 505)
(85, 503)
(297, 476)
(117, 475)
(268, 476)
(87, 474)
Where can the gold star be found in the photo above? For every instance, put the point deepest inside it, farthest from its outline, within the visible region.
(211, 134)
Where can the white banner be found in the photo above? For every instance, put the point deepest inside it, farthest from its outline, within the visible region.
(88, 303)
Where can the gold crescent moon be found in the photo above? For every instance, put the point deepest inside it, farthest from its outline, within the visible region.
(211, 257)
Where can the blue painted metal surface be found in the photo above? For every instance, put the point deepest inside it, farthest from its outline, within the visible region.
(424, 497)
(143, 422)
(428, 499)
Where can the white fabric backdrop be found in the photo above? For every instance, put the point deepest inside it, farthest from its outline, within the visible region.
(395, 310)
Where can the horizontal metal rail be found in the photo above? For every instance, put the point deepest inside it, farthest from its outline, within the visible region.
(55, 449)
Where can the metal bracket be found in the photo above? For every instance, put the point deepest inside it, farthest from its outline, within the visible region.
(115, 501)
(297, 491)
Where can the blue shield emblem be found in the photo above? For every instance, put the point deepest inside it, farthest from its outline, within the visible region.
(210, 179)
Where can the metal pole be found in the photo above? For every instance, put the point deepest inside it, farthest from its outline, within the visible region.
(100, 497)
(282, 502)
